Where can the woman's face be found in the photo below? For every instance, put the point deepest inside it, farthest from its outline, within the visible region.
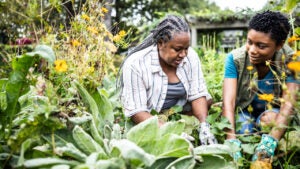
(260, 47)
(171, 53)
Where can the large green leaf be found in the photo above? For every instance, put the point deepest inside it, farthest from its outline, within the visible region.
(85, 142)
(17, 84)
(25, 145)
(147, 131)
(162, 162)
(43, 51)
(112, 163)
(104, 105)
(90, 103)
(40, 162)
(186, 162)
(213, 149)
(61, 166)
(175, 127)
(291, 141)
(215, 162)
(71, 151)
(3, 83)
(170, 145)
(132, 152)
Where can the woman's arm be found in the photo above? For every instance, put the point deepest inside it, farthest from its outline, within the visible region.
(142, 116)
(286, 110)
(229, 96)
(199, 108)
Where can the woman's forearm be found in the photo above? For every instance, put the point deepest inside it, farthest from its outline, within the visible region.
(229, 96)
(286, 111)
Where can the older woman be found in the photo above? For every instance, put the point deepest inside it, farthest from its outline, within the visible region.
(164, 71)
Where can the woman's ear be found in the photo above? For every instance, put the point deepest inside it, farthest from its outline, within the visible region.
(160, 43)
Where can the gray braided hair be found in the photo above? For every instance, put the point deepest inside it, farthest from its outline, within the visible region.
(163, 31)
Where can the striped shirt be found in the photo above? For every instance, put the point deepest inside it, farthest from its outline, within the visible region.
(145, 83)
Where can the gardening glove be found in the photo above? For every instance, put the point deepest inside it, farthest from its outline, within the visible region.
(187, 137)
(237, 155)
(266, 148)
(205, 136)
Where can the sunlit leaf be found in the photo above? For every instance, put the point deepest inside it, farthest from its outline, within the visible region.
(171, 145)
(40, 162)
(60, 166)
(290, 5)
(212, 149)
(146, 131)
(175, 127)
(132, 152)
(43, 51)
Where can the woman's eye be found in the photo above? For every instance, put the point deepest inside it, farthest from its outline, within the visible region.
(261, 46)
(177, 50)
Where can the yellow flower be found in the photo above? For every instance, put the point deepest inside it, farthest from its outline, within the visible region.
(249, 68)
(61, 66)
(92, 29)
(117, 38)
(294, 66)
(293, 38)
(250, 109)
(268, 63)
(104, 10)
(85, 17)
(266, 97)
(91, 69)
(122, 33)
(75, 43)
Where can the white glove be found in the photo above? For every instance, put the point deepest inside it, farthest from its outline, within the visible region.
(205, 136)
(187, 137)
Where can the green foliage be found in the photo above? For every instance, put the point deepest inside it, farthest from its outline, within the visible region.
(213, 68)
(72, 118)
(17, 84)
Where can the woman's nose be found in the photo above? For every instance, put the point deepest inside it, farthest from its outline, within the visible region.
(183, 53)
(252, 49)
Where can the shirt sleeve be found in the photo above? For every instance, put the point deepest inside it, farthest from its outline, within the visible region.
(197, 82)
(230, 69)
(133, 95)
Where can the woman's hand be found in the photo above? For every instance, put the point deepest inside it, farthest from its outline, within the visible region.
(205, 136)
(266, 148)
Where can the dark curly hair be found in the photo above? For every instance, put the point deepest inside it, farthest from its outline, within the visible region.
(271, 22)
